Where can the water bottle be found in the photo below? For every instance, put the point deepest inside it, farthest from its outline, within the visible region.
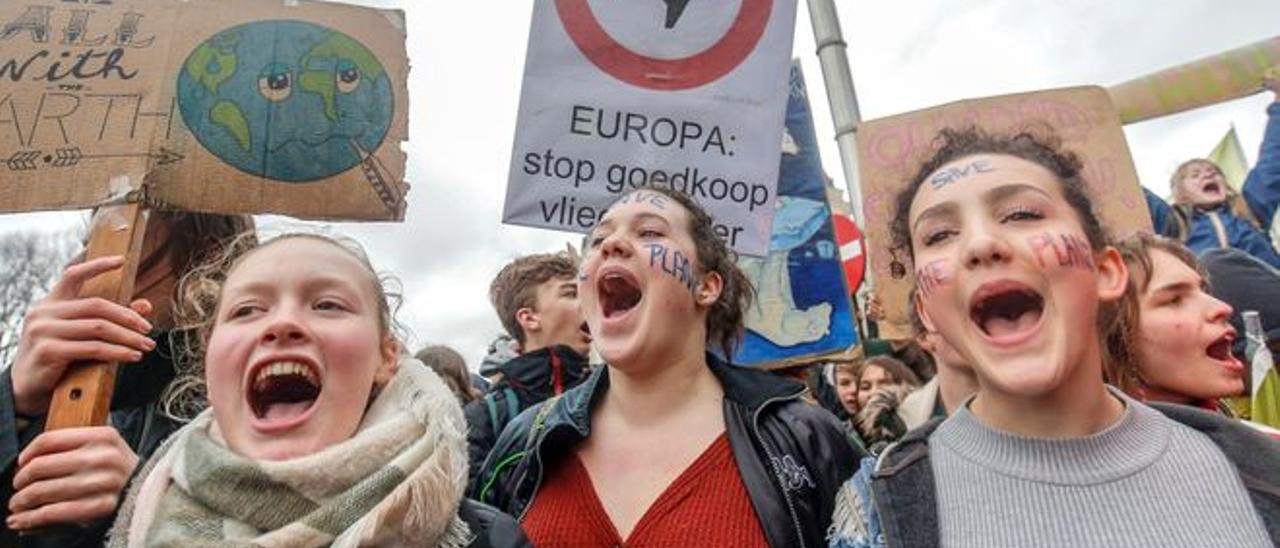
(1264, 405)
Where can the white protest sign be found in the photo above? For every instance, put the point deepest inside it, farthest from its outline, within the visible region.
(682, 93)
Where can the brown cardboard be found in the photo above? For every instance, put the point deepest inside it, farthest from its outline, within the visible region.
(1214, 79)
(181, 97)
(891, 149)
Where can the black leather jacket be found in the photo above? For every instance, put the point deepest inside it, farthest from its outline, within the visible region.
(792, 455)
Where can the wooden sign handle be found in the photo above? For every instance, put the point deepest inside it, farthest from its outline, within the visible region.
(83, 396)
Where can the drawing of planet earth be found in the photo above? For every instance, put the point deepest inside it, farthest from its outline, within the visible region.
(287, 100)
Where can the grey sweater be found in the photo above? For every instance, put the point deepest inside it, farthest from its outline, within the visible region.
(1144, 481)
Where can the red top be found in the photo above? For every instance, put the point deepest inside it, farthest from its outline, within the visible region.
(707, 505)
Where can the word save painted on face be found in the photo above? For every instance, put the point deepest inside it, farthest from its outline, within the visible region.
(1069, 250)
(944, 177)
(641, 197)
(672, 263)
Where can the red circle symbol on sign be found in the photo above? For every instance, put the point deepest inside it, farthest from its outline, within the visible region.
(853, 257)
(665, 74)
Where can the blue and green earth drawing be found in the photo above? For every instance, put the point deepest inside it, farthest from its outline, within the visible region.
(286, 100)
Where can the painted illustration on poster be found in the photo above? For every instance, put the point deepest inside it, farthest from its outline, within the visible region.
(802, 309)
(231, 106)
(286, 100)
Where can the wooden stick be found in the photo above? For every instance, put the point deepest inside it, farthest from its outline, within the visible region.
(83, 396)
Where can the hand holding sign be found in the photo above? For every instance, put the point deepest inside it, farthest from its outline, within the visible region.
(74, 475)
(63, 329)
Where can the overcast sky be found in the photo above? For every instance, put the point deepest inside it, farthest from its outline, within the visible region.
(467, 59)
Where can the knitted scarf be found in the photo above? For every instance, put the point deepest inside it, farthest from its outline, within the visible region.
(397, 482)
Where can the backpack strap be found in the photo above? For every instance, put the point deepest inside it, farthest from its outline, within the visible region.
(492, 407)
(512, 405)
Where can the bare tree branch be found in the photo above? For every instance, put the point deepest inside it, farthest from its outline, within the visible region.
(30, 263)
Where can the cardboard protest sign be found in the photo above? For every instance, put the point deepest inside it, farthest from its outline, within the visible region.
(892, 149)
(683, 94)
(1214, 79)
(233, 106)
(802, 310)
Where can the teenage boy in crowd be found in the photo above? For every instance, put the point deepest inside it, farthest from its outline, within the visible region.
(536, 298)
(953, 383)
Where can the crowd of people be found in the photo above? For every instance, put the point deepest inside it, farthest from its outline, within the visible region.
(1065, 387)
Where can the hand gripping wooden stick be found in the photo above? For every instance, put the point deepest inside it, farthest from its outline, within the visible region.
(83, 396)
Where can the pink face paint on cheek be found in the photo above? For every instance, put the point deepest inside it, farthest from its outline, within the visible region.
(1065, 251)
(934, 275)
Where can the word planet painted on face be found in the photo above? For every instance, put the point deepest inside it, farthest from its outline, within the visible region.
(286, 100)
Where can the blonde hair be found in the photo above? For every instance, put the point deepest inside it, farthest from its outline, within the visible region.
(1235, 201)
(195, 314)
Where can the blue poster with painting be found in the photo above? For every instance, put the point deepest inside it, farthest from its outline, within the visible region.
(802, 310)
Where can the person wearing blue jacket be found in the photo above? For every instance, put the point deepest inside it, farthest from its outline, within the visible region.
(1208, 214)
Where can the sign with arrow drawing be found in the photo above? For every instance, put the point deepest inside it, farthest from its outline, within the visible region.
(228, 106)
(688, 94)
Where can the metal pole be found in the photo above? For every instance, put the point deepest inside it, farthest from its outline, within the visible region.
(840, 95)
(844, 114)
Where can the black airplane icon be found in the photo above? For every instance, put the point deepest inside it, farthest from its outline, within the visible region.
(674, 9)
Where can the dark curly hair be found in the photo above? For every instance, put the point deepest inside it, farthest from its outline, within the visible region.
(725, 319)
(1037, 144)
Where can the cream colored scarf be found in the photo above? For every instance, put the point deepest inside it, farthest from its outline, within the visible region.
(397, 482)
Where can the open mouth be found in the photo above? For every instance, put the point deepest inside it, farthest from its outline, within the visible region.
(619, 293)
(1212, 188)
(283, 390)
(1221, 348)
(585, 331)
(1006, 309)
(1220, 351)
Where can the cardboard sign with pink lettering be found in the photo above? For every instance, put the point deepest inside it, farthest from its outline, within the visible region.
(891, 149)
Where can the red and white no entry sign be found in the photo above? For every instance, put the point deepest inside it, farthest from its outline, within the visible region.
(849, 237)
(665, 74)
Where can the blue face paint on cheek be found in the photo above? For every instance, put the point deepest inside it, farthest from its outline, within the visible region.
(673, 263)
